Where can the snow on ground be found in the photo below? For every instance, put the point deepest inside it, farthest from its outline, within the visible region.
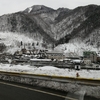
(50, 70)
(13, 41)
(30, 9)
(75, 47)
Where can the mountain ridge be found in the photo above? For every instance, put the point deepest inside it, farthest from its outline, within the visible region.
(55, 26)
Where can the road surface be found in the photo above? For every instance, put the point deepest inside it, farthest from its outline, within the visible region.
(16, 91)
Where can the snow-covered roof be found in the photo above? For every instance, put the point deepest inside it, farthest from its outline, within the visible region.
(76, 61)
(40, 59)
(71, 54)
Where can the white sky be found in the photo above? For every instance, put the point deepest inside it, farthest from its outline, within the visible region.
(11, 6)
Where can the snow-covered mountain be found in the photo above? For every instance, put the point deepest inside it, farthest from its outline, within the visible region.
(12, 41)
(88, 30)
(76, 48)
(55, 26)
(37, 9)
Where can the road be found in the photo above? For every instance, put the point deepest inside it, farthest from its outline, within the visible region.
(16, 91)
(10, 91)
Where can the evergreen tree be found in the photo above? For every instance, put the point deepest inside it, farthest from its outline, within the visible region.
(33, 44)
(37, 43)
(21, 43)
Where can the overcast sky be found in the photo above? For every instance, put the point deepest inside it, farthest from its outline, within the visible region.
(11, 6)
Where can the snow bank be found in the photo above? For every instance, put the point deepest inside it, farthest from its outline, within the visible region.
(51, 70)
(72, 88)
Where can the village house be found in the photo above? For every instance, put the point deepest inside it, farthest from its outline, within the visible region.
(71, 55)
(90, 55)
(55, 55)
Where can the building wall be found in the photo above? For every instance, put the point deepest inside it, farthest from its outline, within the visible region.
(55, 56)
(87, 61)
(90, 56)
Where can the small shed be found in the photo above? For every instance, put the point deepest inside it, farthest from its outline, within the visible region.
(77, 63)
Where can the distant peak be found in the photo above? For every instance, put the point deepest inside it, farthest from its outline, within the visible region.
(29, 9)
(38, 9)
(39, 6)
(62, 8)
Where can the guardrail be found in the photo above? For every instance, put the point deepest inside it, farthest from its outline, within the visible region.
(67, 84)
(62, 79)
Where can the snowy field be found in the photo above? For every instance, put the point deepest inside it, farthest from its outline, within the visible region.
(50, 70)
